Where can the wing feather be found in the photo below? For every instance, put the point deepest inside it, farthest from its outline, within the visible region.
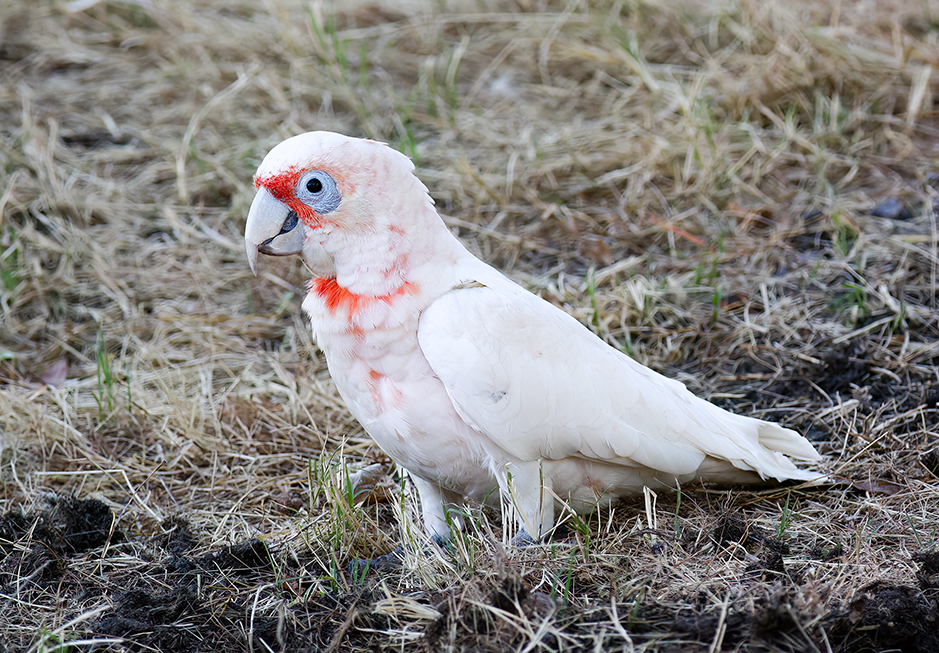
(541, 385)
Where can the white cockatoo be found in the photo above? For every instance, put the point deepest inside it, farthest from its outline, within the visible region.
(468, 381)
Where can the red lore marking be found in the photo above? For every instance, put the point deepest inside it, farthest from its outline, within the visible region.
(283, 187)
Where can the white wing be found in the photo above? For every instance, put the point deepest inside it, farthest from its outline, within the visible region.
(541, 385)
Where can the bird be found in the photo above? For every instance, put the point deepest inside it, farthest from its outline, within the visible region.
(474, 385)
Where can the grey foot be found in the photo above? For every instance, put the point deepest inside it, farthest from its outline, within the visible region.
(387, 562)
(391, 560)
(442, 542)
(523, 539)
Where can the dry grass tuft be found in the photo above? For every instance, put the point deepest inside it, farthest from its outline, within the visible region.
(740, 194)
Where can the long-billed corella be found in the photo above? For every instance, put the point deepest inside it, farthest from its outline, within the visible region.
(464, 378)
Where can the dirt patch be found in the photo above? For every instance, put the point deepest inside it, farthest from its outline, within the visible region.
(239, 558)
(764, 552)
(886, 615)
(172, 600)
(173, 603)
(149, 620)
(481, 618)
(35, 544)
(67, 525)
(881, 617)
(204, 605)
(187, 600)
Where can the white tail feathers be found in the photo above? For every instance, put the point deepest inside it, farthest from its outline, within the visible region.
(788, 442)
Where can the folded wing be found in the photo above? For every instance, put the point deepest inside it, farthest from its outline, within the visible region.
(541, 385)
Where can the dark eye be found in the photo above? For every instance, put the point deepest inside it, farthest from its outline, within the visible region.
(314, 185)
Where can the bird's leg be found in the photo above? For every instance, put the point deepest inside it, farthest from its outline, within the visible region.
(526, 486)
(437, 504)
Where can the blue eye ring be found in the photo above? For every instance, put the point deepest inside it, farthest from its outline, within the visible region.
(318, 190)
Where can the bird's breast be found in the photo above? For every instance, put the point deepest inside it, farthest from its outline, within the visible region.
(389, 387)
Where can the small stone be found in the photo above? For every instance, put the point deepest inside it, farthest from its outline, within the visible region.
(893, 209)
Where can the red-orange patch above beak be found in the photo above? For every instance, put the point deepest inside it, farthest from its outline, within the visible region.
(283, 187)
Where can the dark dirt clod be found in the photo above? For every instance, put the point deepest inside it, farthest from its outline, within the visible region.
(68, 525)
(173, 620)
(82, 523)
(702, 624)
(775, 615)
(768, 551)
(138, 611)
(238, 558)
(37, 565)
(769, 565)
(928, 562)
(178, 538)
(511, 591)
(35, 545)
(825, 555)
(896, 616)
(928, 574)
(465, 625)
(843, 368)
(333, 620)
(732, 529)
(13, 526)
(194, 616)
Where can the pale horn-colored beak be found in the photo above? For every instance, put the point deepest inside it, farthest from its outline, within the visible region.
(272, 228)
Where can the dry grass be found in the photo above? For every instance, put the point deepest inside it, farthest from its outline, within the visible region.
(695, 180)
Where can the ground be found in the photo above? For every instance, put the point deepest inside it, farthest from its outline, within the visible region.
(739, 194)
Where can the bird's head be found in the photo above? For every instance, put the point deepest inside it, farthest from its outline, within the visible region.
(320, 192)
